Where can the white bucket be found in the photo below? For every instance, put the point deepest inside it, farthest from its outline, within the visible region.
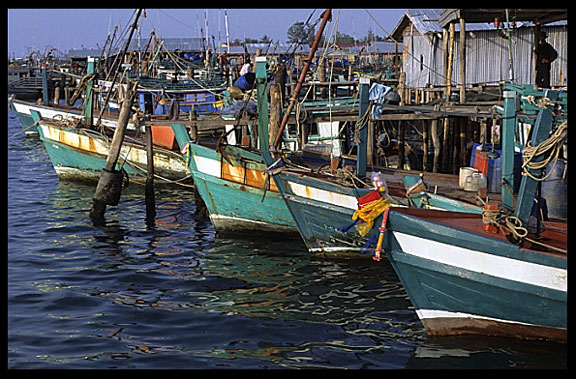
(465, 172)
(475, 181)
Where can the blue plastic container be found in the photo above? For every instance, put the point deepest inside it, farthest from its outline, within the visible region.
(246, 81)
(494, 172)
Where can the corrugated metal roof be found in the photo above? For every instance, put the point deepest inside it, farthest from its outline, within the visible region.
(172, 44)
(426, 21)
(272, 48)
(486, 57)
(84, 52)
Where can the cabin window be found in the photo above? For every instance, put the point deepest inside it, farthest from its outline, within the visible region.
(421, 62)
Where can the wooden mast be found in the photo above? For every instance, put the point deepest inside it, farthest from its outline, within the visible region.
(326, 16)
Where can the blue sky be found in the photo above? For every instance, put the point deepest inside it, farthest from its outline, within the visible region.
(35, 29)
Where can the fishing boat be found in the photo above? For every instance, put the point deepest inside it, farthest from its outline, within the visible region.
(23, 110)
(332, 207)
(234, 181)
(26, 83)
(234, 185)
(502, 273)
(168, 97)
(79, 154)
(462, 280)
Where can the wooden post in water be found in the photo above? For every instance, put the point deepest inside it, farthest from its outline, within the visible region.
(149, 188)
(56, 95)
(89, 97)
(445, 158)
(402, 88)
(456, 126)
(110, 182)
(370, 143)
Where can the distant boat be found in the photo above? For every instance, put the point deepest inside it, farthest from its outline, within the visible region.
(169, 97)
(25, 83)
(23, 110)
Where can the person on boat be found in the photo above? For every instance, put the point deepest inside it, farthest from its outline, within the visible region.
(247, 67)
(545, 55)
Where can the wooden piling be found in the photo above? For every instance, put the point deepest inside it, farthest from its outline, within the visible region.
(483, 130)
(463, 140)
(455, 145)
(56, 95)
(149, 187)
(108, 188)
(445, 150)
(402, 88)
(370, 143)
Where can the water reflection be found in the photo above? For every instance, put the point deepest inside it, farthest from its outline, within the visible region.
(175, 295)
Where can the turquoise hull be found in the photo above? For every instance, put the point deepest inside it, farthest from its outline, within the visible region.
(323, 212)
(79, 155)
(236, 194)
(461, 282)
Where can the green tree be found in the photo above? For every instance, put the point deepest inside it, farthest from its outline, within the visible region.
(370, 37)
(265, 39)
(344, 38)
(300, 33)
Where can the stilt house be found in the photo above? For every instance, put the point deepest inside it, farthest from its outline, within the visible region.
(432, 46)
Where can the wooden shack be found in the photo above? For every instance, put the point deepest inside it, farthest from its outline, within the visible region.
(432, 47)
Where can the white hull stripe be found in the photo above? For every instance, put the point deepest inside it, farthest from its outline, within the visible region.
(97, 145)
(48, 114)
(425, 314)
(332, 249)
(324, 196)
(484, 263)
(218, 217)
(208, 166)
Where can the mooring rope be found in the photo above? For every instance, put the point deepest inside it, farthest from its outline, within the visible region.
(552, 146)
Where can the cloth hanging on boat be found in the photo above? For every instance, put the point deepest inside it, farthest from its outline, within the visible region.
(174, 111)
(237, 107)
(275, 167)
(377, 95)
(370, 206)
(185, 151)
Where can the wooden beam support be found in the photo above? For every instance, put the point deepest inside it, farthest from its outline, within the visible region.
(462, 61)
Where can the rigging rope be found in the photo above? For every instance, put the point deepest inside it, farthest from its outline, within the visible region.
(551, 146)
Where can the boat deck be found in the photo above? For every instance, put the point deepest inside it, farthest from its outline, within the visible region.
(555, 232)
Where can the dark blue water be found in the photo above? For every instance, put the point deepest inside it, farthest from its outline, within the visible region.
(174, 295)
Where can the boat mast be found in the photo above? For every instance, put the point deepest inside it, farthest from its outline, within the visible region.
(326, 16)
(227, 34)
